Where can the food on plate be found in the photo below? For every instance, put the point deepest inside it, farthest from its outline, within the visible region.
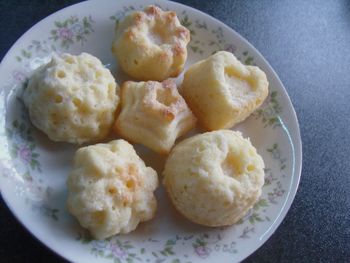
(111, 189)
(214, 178)
(153, 114)
(151, 44)
(222, 92)
(72, 98)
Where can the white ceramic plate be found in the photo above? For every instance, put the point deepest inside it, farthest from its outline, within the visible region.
(34, 169)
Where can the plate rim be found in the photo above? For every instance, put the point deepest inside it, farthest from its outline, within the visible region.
(295, 139)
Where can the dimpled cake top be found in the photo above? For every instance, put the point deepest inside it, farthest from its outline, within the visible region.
(72, 98)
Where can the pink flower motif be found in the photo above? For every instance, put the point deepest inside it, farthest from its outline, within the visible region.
(202, 251)
(19, 76)
(65, 33)
(280, 193)
(118, 251)
(24, 153)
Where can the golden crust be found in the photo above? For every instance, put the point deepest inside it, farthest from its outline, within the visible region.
(110, 190)
(153, 114)
(151, 44)
(227, 93)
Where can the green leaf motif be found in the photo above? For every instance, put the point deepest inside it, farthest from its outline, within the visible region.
(15, 124)
(255, 218)
(170, 242)
(249, 61)
(186, 22)
(261, 203)
(58, 24)
(269, 113)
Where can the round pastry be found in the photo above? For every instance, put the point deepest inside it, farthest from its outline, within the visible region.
(227, 93)
(151, 45)
(72, 98)
(214, 178)
(153, 114)
(111, 189)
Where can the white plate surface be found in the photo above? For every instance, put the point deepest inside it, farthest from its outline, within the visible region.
(34, 169)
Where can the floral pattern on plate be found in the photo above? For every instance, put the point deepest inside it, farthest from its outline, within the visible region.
(29, 158)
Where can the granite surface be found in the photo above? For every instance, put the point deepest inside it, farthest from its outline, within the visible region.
(308, 45)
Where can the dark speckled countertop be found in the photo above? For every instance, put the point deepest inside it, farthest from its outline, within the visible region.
(308, 45)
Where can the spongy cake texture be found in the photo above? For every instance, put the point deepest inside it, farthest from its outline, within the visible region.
(151, 44)
(72, 98)
(111, 189)
(214, 178)
(222, 92)
(153, 114)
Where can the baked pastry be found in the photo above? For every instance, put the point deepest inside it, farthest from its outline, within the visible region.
(222, 92)
(151, 44)
(110, 190)
(72, 98)
(214, 178)
(153, 114)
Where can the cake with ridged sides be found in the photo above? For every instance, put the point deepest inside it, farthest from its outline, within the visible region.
(110, 189)
(151, 44)
(153, 114)
(214, 178)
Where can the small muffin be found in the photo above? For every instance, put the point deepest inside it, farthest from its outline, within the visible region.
(72, 98)
(110, 190)
(153, 114)
(214, 178)
(222, 92)
(151, 45)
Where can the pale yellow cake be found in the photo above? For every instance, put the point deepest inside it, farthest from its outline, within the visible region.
(72, 98)
(214, 178)
(153, 114)
(222, 92)
(151, 44)
(110, 190)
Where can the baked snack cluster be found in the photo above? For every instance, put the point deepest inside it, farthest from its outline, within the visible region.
(151, 44)
(227, 93)
(214, 178)
(72, 98)
(153, 114)
(111, 189)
